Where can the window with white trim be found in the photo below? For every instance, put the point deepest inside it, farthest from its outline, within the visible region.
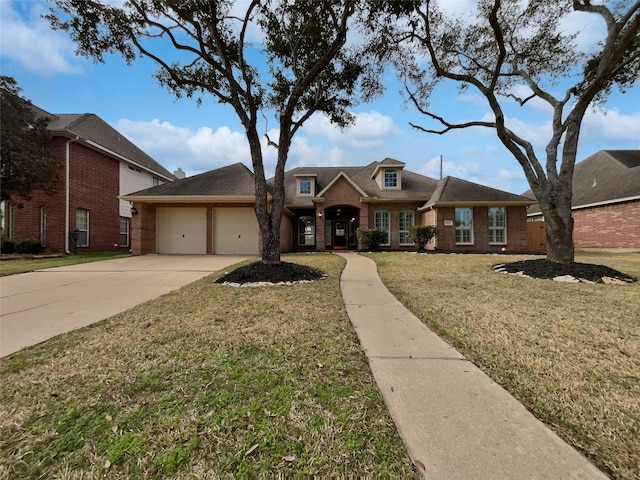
(464, 226)
(390, 178)
(405, 221)
(497, 225)
(124, 231)
(82, 224)
(382, 222)
(305, 186)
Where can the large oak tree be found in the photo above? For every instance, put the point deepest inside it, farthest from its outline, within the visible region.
(507, 47)
(284, 60)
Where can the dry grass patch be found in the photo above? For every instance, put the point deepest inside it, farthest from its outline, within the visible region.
(569, 352)
(205, 382)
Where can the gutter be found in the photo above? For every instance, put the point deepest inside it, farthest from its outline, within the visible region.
(66, 194)
(592, 205)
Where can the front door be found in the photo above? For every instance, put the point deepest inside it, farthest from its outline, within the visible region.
(340, 234)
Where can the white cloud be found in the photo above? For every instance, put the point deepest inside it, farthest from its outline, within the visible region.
(195, 151)
(610, 126)
(368, 131)
(592, 29)
(28, 39)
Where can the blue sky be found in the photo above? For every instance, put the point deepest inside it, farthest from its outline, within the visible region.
(178, 133)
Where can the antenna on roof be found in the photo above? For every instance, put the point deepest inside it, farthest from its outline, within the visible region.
(440, 166)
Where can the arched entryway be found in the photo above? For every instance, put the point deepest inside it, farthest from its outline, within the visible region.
(341, 223)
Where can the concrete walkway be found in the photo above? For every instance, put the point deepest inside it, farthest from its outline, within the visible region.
(456, 422)
(39, 305)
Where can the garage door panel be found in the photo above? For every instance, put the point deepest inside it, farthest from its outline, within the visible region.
(181, 230)
(235, 231)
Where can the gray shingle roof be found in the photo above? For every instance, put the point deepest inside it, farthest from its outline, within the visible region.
(455, 190)
(92, 128)
(414, 186)
(233, 180)
(603, 177)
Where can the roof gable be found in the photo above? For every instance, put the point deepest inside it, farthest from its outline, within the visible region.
(347, 178)
(95, 131)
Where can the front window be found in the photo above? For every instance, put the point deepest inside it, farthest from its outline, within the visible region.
(307, 230)
(464, 226)
(405, 221)
(124, 232)
(390, 178)
(82, 224)
(304, 186)
(382, 223)
(497, 225)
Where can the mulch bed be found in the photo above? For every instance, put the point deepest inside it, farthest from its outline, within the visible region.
(286, 272)
(580, 271)
(259, 272)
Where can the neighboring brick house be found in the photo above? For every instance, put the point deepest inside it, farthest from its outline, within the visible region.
(96, 165)
(606, 201)
(213, 213)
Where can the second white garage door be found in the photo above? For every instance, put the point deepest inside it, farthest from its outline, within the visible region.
(181, 230)
(235, 231)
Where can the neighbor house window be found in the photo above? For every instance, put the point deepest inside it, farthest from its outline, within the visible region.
(390, 178)
(497, 225)
(307, 230)
(124, 232)
(304, 186)
(405, 221)
(464, 226)
(43, 225)
(157, 181)
(382, 222)
(82, 224)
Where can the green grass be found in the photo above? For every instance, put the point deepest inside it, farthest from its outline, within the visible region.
(24, 265)
(569, 352)
(208, 381)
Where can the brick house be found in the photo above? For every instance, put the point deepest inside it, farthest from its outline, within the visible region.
(96, 165)
(213, 213)
(606, 201)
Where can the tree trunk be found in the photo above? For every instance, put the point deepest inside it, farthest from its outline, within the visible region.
(560, 239)
(555, 205)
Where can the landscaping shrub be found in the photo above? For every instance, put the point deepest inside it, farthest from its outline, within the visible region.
(29, 245)
(8, 246)
(420, 235)
(371, 238)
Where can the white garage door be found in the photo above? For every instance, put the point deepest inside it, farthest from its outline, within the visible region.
(181, 230)
(235, 231)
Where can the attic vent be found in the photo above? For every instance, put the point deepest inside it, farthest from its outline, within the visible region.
(594, 183)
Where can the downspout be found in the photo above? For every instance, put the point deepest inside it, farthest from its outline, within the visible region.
(66, 193)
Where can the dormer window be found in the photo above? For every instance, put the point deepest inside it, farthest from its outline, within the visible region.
(306, 185)
(391, 178)
(388, 174)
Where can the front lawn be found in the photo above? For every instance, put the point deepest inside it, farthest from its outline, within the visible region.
(569, 352)
(208, 381)
(23, 265)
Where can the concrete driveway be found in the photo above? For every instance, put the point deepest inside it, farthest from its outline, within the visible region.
(39, 305)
